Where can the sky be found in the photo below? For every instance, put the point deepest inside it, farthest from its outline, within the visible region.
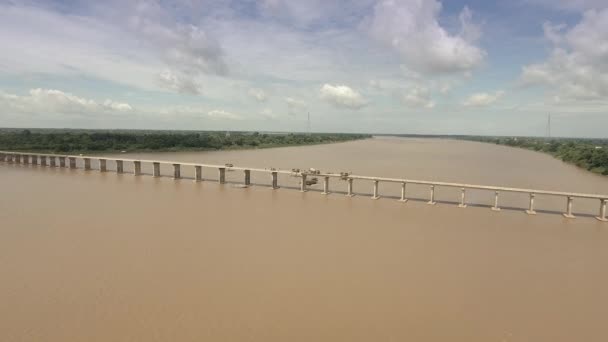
(370, 66)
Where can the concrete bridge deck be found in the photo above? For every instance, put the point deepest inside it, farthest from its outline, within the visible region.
(33, 158)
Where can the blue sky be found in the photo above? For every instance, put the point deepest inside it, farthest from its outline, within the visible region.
(378, 66)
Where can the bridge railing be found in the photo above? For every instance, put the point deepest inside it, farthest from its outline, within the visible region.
(41, 158)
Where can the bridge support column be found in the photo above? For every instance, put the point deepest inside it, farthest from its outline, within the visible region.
(568, 212)
(136, 168)
(198, 173)
(432, 200)
(155, 169)
(2, 157)
(177, 171)
(26, 159)
(18, 158)
(375, 193)
(303, 184)
(495, 207)
(34, 160)
(61, 161)
(119, 166)
(43, 160)
(53, 161)
(72, 162)
(326, 185)
(247, 174)
(9, 158)
(349, 187)
(222, 175)
(275, 180)
(462, 199)
(102, 165)
(530, 210)
(87, 163)
(602, 216)
(403, 199)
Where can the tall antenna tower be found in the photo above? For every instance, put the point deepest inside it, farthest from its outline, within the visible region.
(549, 126)
(308, 125)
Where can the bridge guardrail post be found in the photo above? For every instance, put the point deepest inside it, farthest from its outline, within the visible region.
(568, 212)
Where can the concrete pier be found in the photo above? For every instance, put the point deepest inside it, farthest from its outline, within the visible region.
(177, 174)
(403, 187)
(156, 169)
(103, 165)
(462, 199)
(18, 158)
(119, 166)
(61, 161)
(531, 210)
(495, 207)
(198, 173)
(432, 200)
(9, 158)
(34, 160)
(43, 160)
(375, 195)
(303, 184)
(602, 216)
(326, 185)
(349, 187)
(222, 175)
(275, 180)
(25, 159)
(568, 212)
(247, 174)
(72, 162)
(137, 168)
(87, 163)
(53, 161)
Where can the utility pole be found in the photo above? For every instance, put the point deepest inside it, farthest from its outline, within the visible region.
(308, 126)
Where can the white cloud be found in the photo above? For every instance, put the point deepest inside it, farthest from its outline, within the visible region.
(482, 99)
(50, 101)
(577, 68)
(412, 28)
(258, 94)
(223, 115)
(342, 96)
(294, 106)
(179, 83)
(417, 96)
(571, 5)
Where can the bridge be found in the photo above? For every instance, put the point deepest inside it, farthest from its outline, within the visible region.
(56, 160)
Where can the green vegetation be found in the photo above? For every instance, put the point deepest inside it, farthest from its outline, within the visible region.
(590, 154)
(72, 141)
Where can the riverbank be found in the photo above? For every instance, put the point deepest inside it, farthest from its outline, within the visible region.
(588, 154)
(97, 141)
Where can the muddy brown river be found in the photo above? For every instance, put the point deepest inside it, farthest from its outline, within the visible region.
(89, 256)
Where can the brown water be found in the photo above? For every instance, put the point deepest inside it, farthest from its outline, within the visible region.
(86, 256)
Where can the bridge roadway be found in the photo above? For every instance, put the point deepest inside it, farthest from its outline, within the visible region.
(26, 158)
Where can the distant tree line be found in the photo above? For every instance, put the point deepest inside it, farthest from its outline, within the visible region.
(590, 154)
(112, 141)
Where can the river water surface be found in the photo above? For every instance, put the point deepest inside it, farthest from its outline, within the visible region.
(89, 256)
